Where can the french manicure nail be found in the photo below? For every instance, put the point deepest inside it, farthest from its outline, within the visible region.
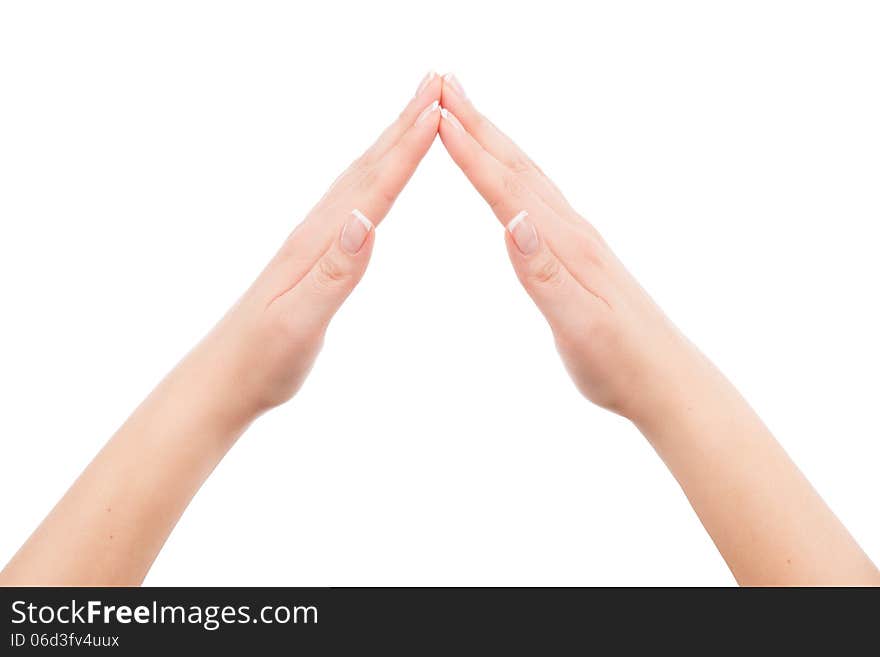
(355, 231)
(453, 82)
(449, 116)
(524, 234)
(425, 82)
(427, 111)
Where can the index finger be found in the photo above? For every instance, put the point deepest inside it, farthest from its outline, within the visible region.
(381, 182)
(501, 147)
(427, 92)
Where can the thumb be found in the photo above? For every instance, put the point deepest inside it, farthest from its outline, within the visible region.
(544, 277)
(312, 302)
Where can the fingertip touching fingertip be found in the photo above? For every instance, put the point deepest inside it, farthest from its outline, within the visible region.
(453, 83)
(428, 79)
(425, 113)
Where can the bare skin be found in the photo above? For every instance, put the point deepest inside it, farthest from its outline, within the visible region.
(622, 352)
(111, 524)
(769, 524)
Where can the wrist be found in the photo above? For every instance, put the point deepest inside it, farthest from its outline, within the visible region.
(212, 385)
(681, 379)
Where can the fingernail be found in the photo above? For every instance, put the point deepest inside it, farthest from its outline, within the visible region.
(453, 82)
(355, 231)
(428, 110)
(524, 234)
(425, 82)
(449, 116)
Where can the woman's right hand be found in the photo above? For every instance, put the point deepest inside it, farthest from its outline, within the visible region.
(113, 521)
(266, 344)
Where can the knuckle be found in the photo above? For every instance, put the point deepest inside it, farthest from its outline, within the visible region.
(369, 177)
(362, 163)
(547, 273)
(509, 192)
(331, 273)
(591, 247)
(513, 186)
(520, 163)
(374, 182)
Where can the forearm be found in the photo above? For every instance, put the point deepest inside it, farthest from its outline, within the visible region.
(623, 354)
(768, 522)
(111, 524)
(113, 521)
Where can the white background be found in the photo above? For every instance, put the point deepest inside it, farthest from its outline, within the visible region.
(154, 155)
